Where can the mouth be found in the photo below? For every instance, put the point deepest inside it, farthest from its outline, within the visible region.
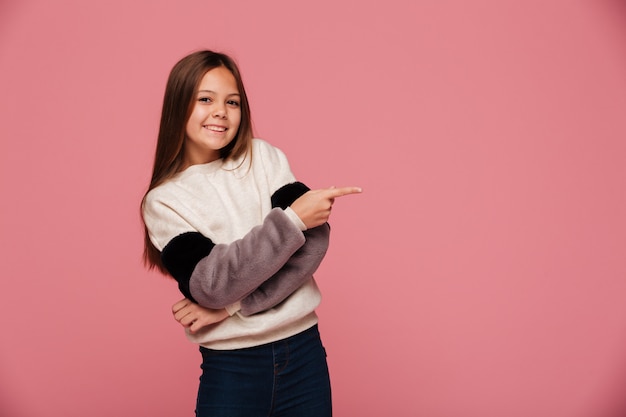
(215, 128)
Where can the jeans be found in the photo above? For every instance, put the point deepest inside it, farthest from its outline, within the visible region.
(287, 378)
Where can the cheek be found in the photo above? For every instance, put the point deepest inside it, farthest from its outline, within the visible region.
(193, 117)
(189, 125)
(237, 119)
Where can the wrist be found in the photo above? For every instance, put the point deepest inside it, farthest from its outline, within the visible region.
(293, 216)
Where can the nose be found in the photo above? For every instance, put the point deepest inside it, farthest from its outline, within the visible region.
(219, 111)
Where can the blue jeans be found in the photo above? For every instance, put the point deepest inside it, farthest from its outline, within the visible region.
(284, 378)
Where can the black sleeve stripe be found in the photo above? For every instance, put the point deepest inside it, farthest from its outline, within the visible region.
(181, 255)
(287, 194)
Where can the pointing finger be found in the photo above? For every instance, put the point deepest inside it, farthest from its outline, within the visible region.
(339, 192)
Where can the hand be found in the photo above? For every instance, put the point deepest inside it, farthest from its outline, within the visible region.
(314, 206)
(194, 317)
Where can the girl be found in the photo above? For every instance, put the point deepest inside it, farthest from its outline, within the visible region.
(225, 217)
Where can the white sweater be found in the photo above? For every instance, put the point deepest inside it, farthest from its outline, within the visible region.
(229, 238)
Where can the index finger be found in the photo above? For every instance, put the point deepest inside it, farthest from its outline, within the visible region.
(341, 191)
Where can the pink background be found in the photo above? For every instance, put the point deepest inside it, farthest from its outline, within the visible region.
(481, 274)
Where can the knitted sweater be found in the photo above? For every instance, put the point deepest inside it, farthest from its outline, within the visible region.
(230, 239)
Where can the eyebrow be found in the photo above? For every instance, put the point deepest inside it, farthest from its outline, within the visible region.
(213, 92)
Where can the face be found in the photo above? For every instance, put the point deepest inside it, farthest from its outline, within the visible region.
(215, 117)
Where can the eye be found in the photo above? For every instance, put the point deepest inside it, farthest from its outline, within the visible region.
(204, 99)
(233, 103)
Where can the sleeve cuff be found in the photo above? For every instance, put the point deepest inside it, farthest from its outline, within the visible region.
(295, 219)
(233, 308)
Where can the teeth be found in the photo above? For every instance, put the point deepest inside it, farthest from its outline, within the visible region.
(216, 128)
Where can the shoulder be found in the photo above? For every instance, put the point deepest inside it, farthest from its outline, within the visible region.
(153, 197)
(261, 145)
(168, 201)
(160, 194)
(274, 163)
(268, 153)
(155, 203)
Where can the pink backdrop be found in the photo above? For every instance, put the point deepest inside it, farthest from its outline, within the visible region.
(481, 274)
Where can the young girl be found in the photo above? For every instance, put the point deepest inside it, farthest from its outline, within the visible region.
(226, 218)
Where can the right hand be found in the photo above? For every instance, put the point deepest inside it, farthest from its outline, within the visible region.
(314, 206)
(194, 317)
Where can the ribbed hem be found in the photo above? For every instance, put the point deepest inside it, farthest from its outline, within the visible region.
(242, 342)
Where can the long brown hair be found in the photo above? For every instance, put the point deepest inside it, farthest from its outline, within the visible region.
(178, 102)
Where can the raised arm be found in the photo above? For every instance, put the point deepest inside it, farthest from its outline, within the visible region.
(304, 262)
(300, 266)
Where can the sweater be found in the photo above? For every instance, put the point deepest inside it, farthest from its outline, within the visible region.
(229, 238)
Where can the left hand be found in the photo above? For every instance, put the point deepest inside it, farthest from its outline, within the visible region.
(194, 317)
(313, 207)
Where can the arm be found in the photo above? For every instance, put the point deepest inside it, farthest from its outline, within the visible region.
(272, 292)
(216, 276)
(299, 268)
(306, 260)
(292, 275)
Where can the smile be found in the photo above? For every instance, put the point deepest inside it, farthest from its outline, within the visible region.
(215, 128)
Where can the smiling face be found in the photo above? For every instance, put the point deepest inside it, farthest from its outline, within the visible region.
(215, 117)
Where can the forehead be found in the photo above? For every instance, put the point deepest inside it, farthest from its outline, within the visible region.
(219, 80)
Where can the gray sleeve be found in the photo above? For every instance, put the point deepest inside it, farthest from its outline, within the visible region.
(232, 271)
(298, 269)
